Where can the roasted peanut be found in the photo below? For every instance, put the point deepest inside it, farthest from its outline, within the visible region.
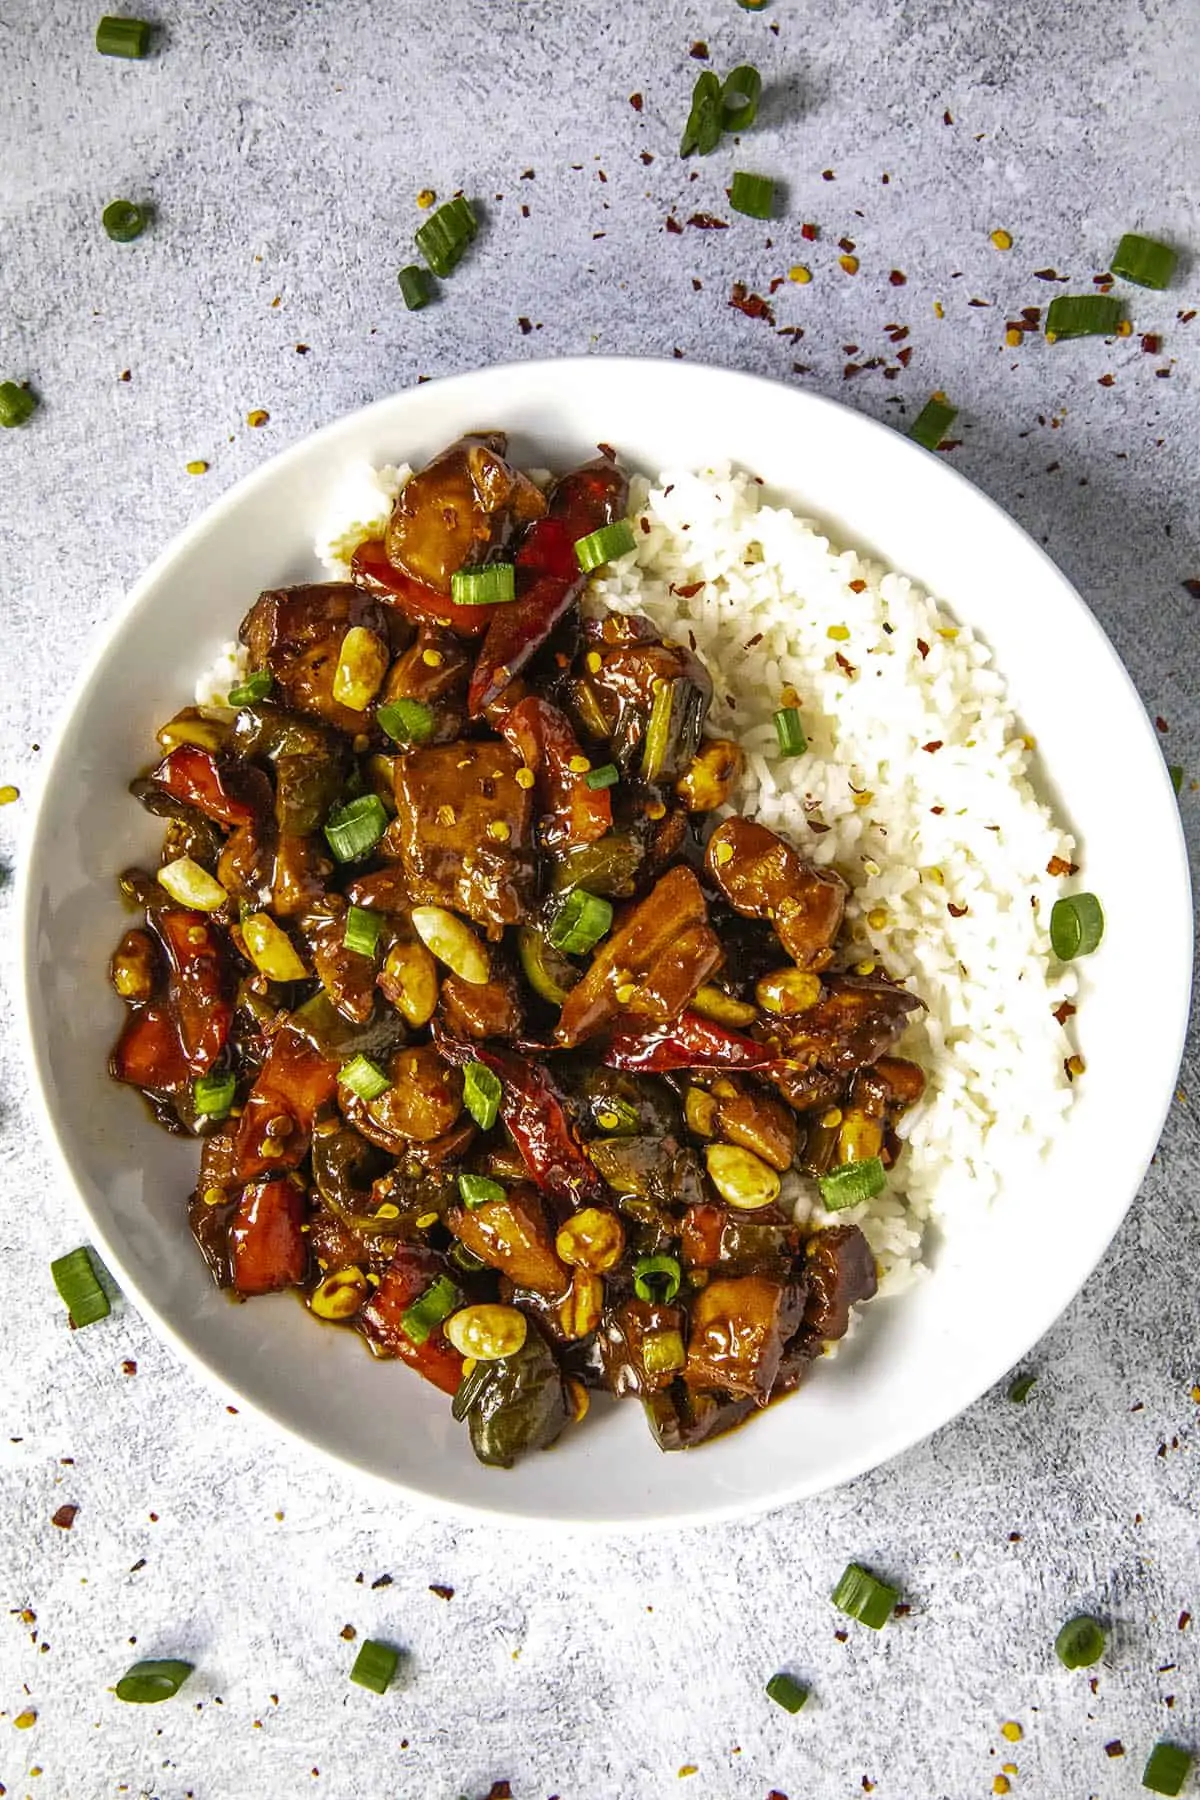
(452, 942)
(743, 1180)
(579, 1313)
(409, 979)
(340, 1294)
(362, 665)
(192, 885)
(700, 1112)
(859, 1136)
(271, 950)
(714, 1003)
(711, 776)
(592, 1239)
(133, 966)
(487, 1332)
(787, 991)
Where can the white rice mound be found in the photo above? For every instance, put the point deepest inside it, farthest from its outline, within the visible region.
(915, 831)
(915, 786)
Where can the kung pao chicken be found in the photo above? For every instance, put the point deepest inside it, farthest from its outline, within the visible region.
(499, 1030)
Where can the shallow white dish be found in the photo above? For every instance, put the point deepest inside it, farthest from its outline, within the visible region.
(916, 1361)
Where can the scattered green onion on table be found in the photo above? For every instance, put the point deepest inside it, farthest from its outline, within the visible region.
(786, 1692)
(146, 1683)
(444, 237)
(1021, 1389)
(124, 220)
(375, 1666)
(1144, 261)
(1166, 1768)
(1081, 1642)
(741, 91)
(17, 404)
(933, 422)
(861, 1595)
(1082, 315)
(122, 37)
(752, 195)
(78, 1284)
(415, 290)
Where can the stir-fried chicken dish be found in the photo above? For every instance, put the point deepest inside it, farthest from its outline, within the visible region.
(506, 1039)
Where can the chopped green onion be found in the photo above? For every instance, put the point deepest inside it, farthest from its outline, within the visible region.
(1166, 1768)
(477, 1190)
(364, 1078)
(863, 1596)
(603, 546)
(122, 37)
(932, 423)
(580, 922)
(364, 929)
(148, 1682)
(704, 124)
(1021, 1389)
(1144, 261)
(489, 584)
(1175, 771)
(212, 1095)
(790, 732)
(124, 221)
(75, 1278)
(481, 1094)
(256, 686)
(650, 1273)
(426, 1313)
(852, 1183)
(17, 404)
(354, 829)
(663, 1350)
(751, 195)
(1076, 926)
(740, 94)
(786, 1693)
(407, 721)
(1080, 1643)
(375, 1666)
(444, 236)
(415, 290)
(608, 775)
(1082, 315)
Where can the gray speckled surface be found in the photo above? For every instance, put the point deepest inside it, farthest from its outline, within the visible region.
(283, 146)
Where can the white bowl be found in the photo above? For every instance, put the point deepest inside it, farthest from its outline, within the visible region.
(917, 1360)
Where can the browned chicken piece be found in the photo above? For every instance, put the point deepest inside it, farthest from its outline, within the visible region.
(383, 891)
(806, 1089)
(422, 1103)
(740, 1325)
(490, 1009)
(856, 1021)
(457, 508)
(347, 976)
(763, 877)
(652, 964)
(434, 670)
(514, 1236)
(622, 1339)
(741, 1243)
(711, 776)
(747, 1116)
(841, 1272)
(903, 1081)
(463, 831)
(301, 871)
(297, 633)
(245, 865)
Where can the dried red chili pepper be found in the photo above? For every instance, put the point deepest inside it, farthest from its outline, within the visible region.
(193, 776)
(276, 1128)
(537, 1119)
(148, 1053)
(199, 985)
(266, 1238)
(573, 813)
(371, 569)
(688, 1042)
(548, 575)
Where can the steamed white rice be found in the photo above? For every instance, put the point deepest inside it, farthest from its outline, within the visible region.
(915, 786)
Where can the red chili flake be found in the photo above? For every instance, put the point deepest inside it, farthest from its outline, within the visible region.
(1053, 468)
(1107, 380)
(841, 1636)
(382, 1581)
(64, 1518)
(902, 1610)
(848, 669)
(809, 233)
(776, 284)
(1064, 1011)
(601, 176)
(979, 303)
(923, 647)
(950, 444)
(956, 912)
(635, 100)
(750, 642)
(699, 50)
(139, 1564)
(846, 244)
(946, 119)
(776, 1795)
(791, 331)
(1102, 281)
(898, 278)
(753, 305)
(1032, 314)
(524, 212)
(1058, 865)
(850, 349)
(1185, 1619)
(647, 157)
(850, 370)
(1116, 1748)
(868, 1785)
(708, 222)
(301, 349)
(530, 175)
(349, 1633)
(1048, 275)
(934, 744)
(801, 368)
(645, 525)
(442, 1592)
(820, 827)
(687, 589)
(1192, 585)
(500, 1790)
(526, 326)
(1162, 374)
(857, 587)
(828, 175)
(673, 226)
(1151, 343)
(897, 333)
(129, 1367)
(1186, 317)
(677, 353)
(1161, 724)
(904, 357)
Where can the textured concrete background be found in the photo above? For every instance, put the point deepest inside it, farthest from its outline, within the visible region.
(283, 146)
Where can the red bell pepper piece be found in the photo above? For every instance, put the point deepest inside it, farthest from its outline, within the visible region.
(581, 503)
(537, 1119)
(573, 813)
(688, 1042)
(267, 1250)
(293, 1083)
(371, 569)
(148, 1053)
(193, 775)
(199, 985)
(411, 1272)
